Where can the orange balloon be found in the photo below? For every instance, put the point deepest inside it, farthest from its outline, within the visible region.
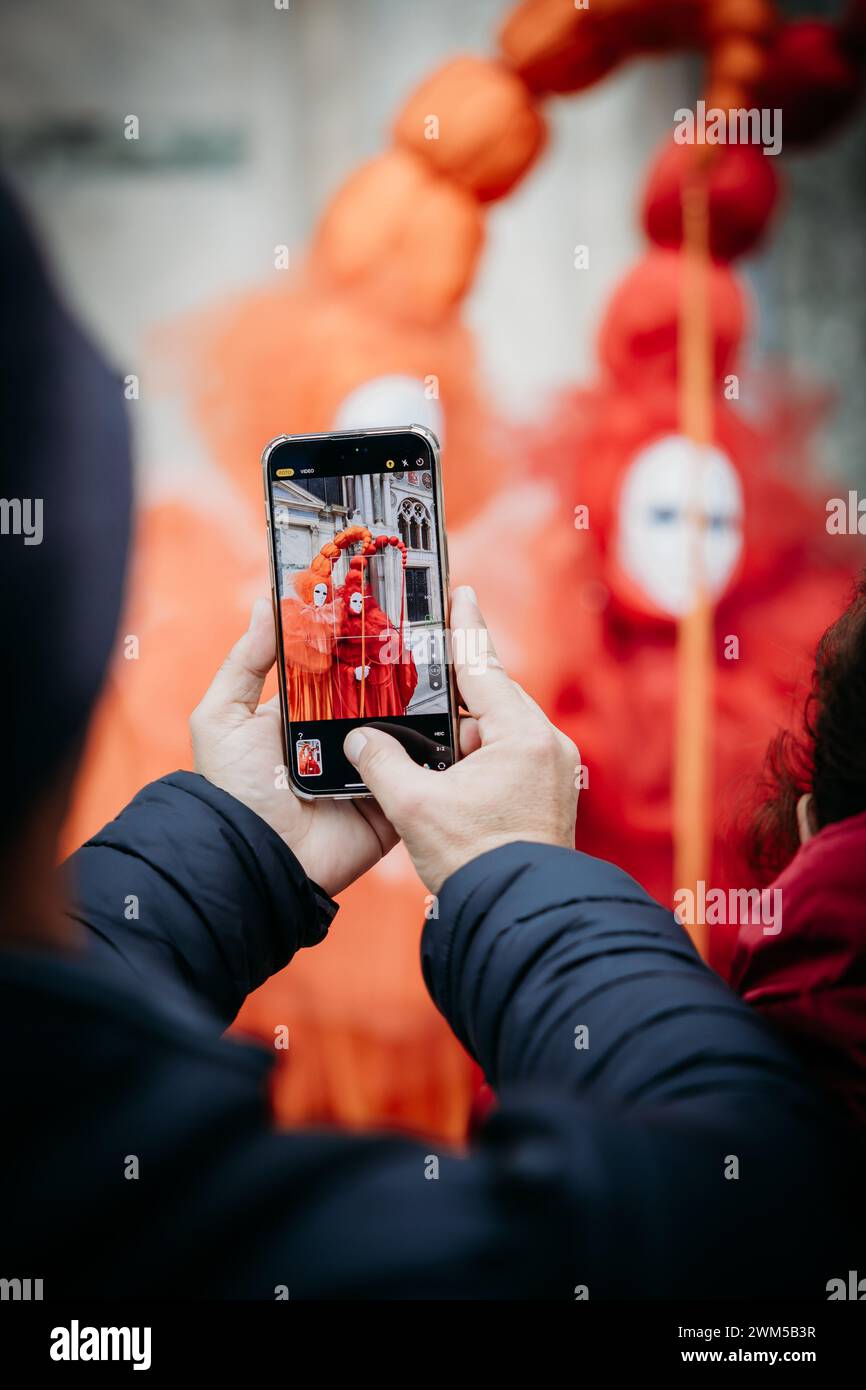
(557, 48)
(474, 121)
(724, 95)
(739, 61)
(756, 18)
(403, 236)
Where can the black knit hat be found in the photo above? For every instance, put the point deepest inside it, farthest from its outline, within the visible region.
(65, 497)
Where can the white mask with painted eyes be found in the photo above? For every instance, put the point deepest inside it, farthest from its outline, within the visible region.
(681, 509)
(355, 602)
(320, 594)
(389, 401)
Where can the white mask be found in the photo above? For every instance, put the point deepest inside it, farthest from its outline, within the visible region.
(356, 602)
(660, 546)
(320, 594)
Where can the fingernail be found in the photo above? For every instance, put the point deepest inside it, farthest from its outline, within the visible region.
(354, 745)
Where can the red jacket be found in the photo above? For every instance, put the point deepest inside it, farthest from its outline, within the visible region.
(809, 980)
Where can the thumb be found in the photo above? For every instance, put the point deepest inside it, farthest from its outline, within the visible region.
(386, 767)
(239, 680)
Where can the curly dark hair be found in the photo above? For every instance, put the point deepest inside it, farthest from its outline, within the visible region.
(827, 757)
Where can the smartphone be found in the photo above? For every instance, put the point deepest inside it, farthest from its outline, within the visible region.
(359, 578)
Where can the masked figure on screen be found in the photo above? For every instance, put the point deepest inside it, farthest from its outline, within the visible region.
(308, 765)
(376, 676)
(308, 623)
(310, 620)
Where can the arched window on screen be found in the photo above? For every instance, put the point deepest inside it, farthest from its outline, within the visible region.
(414, 524)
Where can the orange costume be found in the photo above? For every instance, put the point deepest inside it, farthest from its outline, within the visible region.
(308, 639)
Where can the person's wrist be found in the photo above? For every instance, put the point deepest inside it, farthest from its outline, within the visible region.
(449, 864)
(299, 898)
(325, 907)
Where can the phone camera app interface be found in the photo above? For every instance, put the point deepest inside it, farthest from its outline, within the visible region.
(360, 587)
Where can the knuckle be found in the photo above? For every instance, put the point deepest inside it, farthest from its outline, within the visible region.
(570, 750)
(539, 740)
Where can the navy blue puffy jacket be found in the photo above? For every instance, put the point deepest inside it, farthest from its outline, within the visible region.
(607, 1168)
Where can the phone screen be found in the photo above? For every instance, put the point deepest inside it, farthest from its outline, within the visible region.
(357, 555)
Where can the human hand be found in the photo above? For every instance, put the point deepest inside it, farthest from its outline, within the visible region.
(361, 672)
(517, 779)
(237, 745)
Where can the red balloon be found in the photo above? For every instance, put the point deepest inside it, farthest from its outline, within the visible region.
(743, 190)
(811, 78)
(639, 337)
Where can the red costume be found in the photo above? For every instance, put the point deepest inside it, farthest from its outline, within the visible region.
(776, 575)
(307, 764)
(375, 676)
(310, 624)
